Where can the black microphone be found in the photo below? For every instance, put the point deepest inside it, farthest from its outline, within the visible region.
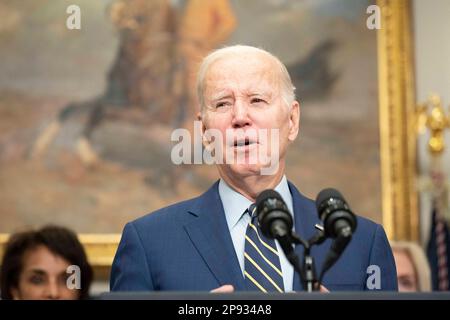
(333, 210)
(273, 215)
(276, 222)
(339, 223)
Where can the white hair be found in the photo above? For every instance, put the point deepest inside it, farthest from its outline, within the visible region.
(287, 88)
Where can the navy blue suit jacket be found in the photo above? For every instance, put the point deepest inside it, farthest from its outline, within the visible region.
(188, 247)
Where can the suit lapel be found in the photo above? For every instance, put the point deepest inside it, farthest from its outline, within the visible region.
(209, 233)
(305, 217)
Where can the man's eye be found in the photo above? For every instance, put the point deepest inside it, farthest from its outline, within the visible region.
(257, 100)
(221, 104)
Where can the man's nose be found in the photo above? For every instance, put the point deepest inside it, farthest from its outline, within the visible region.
(240, 114)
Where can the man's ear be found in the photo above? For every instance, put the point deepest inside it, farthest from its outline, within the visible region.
(294, 120)
(201, 119)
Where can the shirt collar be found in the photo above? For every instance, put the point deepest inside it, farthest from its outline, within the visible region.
(235, 204)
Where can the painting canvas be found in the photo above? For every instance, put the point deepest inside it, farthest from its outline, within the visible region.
(86, 115)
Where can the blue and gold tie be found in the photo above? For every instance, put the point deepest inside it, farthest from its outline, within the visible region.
(262, 263)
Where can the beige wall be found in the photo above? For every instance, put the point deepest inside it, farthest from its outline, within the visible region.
(432, 53)
(432, 35)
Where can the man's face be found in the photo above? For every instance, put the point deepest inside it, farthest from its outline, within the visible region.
(43, 277)
(242, 96)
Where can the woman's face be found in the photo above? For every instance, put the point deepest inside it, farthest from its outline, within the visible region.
(43, 277)
(406, 273)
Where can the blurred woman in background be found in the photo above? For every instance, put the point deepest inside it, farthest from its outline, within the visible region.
(413, 271)
(36, 265)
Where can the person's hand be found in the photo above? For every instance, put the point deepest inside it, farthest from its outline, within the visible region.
(323, 289)
(228, 288)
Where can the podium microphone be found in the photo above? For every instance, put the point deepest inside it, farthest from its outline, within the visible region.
(339, 223)
(273, 215)
(276, 222)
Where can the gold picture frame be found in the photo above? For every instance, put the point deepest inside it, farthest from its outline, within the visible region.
(397, 138)
(397, 120)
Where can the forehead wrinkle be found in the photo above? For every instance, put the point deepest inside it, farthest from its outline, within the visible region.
(230, 76)
(228, 88)
(222, 94)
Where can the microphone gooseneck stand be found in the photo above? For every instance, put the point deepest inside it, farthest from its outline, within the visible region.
(307, 271)
(276, 222)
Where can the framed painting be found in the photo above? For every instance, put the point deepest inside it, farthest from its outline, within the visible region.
(87, 107)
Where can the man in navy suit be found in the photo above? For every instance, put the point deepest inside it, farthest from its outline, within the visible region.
(201, 244)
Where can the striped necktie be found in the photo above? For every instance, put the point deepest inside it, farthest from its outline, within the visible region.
(262, 263)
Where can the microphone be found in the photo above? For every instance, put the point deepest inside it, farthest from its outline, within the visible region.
(339, 223)
(333, 210)
(276, 222)
(273, 215)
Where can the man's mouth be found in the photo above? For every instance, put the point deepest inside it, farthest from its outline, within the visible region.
(244, 142)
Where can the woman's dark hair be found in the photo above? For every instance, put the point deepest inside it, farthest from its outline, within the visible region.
(59, 240)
